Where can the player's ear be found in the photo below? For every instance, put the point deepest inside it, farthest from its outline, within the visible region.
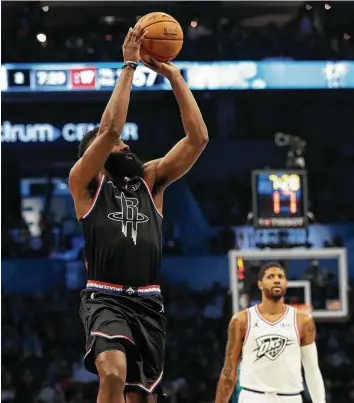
(260, 285)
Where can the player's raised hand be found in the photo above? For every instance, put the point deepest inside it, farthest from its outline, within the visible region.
(132, 43)
(167, 70)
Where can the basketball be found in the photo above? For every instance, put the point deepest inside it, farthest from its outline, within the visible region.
(164, 39)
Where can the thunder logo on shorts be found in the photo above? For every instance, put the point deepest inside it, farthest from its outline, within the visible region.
(271, 346)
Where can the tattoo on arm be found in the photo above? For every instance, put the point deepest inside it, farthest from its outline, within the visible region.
(229, 350)
(311, 328)
(228, 375)
(309, 333)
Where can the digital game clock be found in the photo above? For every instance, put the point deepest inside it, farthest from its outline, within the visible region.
(279, 199)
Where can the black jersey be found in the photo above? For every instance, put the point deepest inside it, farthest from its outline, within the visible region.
(123, 239)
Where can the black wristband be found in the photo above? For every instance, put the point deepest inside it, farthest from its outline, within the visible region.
(130, 63)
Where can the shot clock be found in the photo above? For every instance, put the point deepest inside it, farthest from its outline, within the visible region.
(279, 199)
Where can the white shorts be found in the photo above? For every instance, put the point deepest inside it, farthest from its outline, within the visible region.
(251, 397)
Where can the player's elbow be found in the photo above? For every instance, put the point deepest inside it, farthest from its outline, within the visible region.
(228, 376)
(203, 132)
(229, 381)
(198, 137)
(112, 126)
(203, 136)
(110, 131)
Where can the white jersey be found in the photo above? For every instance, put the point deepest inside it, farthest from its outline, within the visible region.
(271, 354)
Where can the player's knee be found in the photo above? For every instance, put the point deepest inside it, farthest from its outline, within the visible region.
(111, 367)
(112, 375)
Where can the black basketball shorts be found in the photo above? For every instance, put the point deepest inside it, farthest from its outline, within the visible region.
(130, 321)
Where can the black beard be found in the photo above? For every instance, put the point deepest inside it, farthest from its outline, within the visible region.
(274, 297)
(118, 165)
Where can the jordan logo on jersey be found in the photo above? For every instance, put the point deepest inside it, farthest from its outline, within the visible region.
(271, 346)
(129, 217)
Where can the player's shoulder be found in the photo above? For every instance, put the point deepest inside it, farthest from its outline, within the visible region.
(150, 168)
(239, 318)
(73, 177)
(152, 163)
(303, 318)
(150, 172)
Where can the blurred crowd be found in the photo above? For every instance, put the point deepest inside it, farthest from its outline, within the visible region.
(61, 238)
(230, 205)
(43, 347)
(331, 201)
(302, 34)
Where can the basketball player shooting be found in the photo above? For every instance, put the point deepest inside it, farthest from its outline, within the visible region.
(274, 339)
(118, 201)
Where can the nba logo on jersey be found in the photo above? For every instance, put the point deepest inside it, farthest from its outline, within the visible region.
(271, 346)
(134, 187)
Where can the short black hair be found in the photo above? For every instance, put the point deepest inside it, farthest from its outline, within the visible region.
(86, 141)
(267, 266)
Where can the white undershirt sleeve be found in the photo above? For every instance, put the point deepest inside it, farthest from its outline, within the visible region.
(313, 377)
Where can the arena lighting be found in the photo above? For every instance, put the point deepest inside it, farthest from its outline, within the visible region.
(194, 24)
(327, 6)
(41, 38)
(295, 155)
(109, 19)
(45, 8)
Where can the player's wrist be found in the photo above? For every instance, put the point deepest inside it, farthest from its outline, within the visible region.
(130, 64)
(174, 76)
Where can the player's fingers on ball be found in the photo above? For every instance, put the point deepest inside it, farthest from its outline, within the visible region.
(137, 28)
(139, 32)
(144, 59)
(153, 62)
(142, 36)
(130, 33)
(135, 34)
(146, 63)
(128, 36)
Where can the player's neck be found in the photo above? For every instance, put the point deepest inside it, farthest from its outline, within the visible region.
(118, 180)
(272, 307)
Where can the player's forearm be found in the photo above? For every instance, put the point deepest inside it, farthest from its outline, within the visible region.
(226, 386)
(313, 377)
(192, 119)
(115, 114)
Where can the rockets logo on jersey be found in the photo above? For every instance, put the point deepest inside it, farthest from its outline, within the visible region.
(271, 346)
(129, 215)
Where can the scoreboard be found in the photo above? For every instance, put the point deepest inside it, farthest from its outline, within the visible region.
(53, 78)
(221, 75)
(280, 199)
